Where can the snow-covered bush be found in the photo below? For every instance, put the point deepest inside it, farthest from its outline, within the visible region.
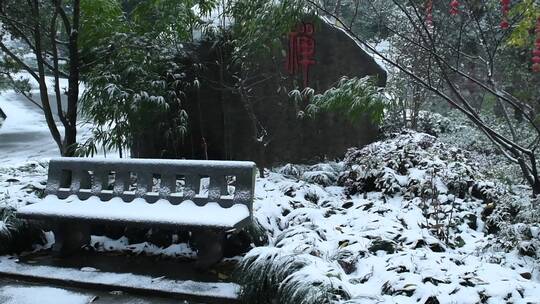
(291, 170)
(516, 219)
(427, 122)
(324, 174)
(404, 163)
(437, 177)
(491, 162)
(433, 123)
(370, 247)
(271, 274)
(18, 186)
(17, 235)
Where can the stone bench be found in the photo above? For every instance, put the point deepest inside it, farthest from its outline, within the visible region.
(208, 198)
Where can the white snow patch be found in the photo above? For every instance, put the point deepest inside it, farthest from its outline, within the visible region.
(221, 290)
(41, 295)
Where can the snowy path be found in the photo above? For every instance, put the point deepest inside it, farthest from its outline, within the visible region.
(24, 135)
(119, 281)
(27, 293)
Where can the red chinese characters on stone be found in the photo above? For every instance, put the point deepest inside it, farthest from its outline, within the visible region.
(301, 50)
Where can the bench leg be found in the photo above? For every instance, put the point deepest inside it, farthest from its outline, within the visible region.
(70, 238)
(209, 245)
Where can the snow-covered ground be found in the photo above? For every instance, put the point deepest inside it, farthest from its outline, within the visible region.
(378, 251)
(382, 238)
(376, 246)
(373, 247)
(46, 295)
(24, 135)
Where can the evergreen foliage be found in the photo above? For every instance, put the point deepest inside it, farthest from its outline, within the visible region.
(141, 76)
(17, 235)
(269, 274)
(352, 97)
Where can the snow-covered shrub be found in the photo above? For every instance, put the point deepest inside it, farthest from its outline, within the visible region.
(17, 235)
(516, 220)
(324, 174)
(272, 275)
(378, 248)
(404, 164)
(436, 177)
(323, 178)
(427, 122)
(291, 170)
(492, 163)
(433, 123)
(18, 186)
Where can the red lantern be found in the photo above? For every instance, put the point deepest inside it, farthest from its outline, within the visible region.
(429, 12)
(536, 59)
(454, 7)
(505, 8)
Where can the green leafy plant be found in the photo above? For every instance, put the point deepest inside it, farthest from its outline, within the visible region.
(17, 235)
(268, 275)
(353, 97)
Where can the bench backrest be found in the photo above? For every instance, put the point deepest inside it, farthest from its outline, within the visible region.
(154, 179)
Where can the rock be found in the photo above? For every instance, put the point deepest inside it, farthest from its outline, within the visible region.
(432, 300)
(383, 245)
(436, 247)
(526, 275)
(347, 205)
(471, 221)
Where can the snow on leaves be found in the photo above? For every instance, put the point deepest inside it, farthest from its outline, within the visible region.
(407, 225)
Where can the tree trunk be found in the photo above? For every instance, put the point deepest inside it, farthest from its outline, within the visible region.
(43, 92)
(536, 187)
(258, 143)
(70, 138)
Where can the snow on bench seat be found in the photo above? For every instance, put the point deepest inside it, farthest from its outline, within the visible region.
(161, 212)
